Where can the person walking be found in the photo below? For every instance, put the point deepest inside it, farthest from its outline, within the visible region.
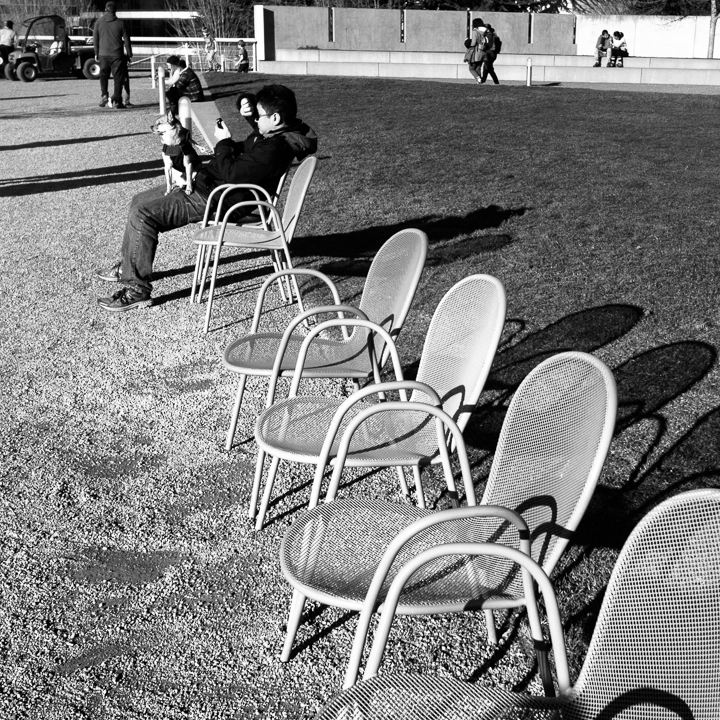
(492, 45)
(211, 50)
(476, 49)
(8, 40)
(242, 62)
(113, 51)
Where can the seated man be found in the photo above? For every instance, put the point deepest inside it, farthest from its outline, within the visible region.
(183, 81)
(277, 138)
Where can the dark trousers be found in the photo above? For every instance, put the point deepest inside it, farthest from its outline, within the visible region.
(153, 212)
(117, 66)
(488, 68)
(5, 51)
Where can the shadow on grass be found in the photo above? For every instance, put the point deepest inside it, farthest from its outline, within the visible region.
(35, 184)
(190, 269)
(67, 141)
(369, 239)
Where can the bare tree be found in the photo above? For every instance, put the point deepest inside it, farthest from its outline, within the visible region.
(223, 18)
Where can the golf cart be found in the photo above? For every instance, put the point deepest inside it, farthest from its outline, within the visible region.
(47, 51)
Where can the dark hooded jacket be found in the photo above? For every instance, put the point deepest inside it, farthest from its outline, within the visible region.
(110, 38)
(259, 159)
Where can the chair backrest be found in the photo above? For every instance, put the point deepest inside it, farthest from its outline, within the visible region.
(391, 284)
(552, 448)
(296, 195)
(655, 652)
(460, 343)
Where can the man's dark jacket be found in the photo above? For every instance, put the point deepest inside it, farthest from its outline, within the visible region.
(109, 37)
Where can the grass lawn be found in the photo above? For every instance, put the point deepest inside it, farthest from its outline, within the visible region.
(131, 582)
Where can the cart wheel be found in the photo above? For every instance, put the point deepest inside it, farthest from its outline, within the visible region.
(26, 72)
(91, 69)
(9, 70)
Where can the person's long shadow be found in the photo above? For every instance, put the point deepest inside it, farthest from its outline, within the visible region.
(438, 228)
(32, 185)
(67, 141)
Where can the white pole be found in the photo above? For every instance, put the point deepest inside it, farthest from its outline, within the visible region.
(152, 71)
(528, 75)
(161, 89)
(187, 56)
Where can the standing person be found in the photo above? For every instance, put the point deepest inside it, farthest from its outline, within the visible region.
(242, 62)
(265, 155)
(112, 51)
(8, 40)
(211, 50)
(492, 43)
(477, 49)
(602, 48)
(183, 81)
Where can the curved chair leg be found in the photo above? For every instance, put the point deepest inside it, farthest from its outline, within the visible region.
(420, 495)
(293, 623)
(259, 465)
(235, 413)
(491, 631)
(269, 482)
(211, 293)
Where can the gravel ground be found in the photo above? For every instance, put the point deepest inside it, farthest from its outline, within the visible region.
(132, 584)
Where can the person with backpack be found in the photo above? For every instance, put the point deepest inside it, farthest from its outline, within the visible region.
(476, 49)
(493, 44)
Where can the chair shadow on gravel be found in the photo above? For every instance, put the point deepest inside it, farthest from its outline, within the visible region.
(438, 228)
(190, 269)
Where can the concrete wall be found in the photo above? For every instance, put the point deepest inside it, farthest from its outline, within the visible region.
(292, 27)
(650, 35)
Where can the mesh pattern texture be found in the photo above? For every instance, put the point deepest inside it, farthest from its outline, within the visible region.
(240, 236)
(414, 697)
(389, 289)
(548, 450)
(334, 549)
(455, 359)
(296, 428)
(655, 653)
(296, 194)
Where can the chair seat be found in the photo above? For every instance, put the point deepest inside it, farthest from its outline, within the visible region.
(332, 551)
(240, 236)
(414, 697)
(255, 355)
(295, 429)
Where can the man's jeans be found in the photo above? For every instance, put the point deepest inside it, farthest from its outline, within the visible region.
(153, 212)
(118, 67)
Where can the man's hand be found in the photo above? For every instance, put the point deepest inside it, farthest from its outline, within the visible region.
(246, 108)
(222, 132)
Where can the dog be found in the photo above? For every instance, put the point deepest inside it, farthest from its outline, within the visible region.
(180, 159)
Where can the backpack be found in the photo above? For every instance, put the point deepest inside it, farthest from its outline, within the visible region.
(487, 42)
(498, 45)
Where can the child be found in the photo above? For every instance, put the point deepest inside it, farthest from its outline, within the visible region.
(210, 50)
(603, 47)
(242, 62)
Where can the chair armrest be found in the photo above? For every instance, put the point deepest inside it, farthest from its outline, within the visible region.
(260, 205)
(287, 335)
(443, 422)
(282, 273)
(401, 539)
(348, 322)
(531, 572)
(226, 188)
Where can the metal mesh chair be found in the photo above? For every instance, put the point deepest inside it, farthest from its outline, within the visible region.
(654, 655)
(389, 290)
(274, 234)
(549, 456)
(456, 359)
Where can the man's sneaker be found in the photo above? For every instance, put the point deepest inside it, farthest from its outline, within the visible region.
(103, 101)
(111, 274)
(123, 300)
(128, 103)
(118, 106)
